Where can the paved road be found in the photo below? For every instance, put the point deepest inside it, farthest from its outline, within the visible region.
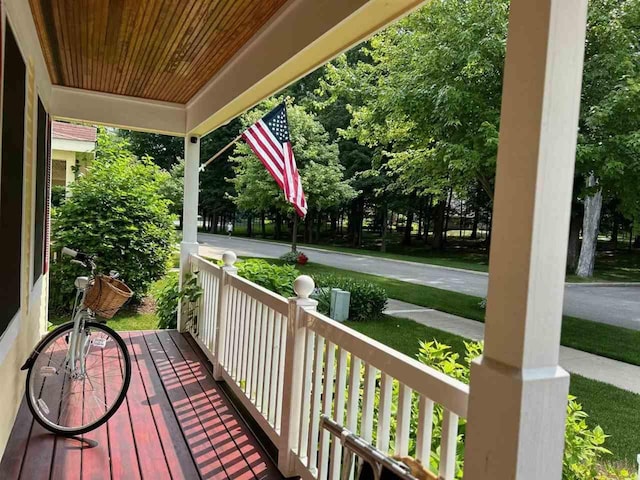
(613, 305)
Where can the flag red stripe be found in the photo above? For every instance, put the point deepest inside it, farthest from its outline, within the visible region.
(268, 138)
(266, 161)
(274, 153)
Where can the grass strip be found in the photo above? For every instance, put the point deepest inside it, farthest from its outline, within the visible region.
(609, 341)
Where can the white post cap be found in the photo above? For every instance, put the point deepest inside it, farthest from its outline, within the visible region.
(229, 258)
(303, 286)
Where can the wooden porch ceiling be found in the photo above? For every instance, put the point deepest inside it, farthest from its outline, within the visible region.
(156, 49)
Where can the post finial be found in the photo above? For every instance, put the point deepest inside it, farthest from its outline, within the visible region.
(303, 286)
(229, 258)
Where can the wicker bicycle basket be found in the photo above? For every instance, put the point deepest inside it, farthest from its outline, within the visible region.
(106, 296)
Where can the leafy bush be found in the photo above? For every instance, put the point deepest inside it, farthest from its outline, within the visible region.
(583, 446)
(368, 300)
(294, 258)
(169, 298)
(276, 278)
(167, 303)
(58, 195)
(117, 212)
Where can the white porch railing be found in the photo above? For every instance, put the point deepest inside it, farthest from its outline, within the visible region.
(289, 364)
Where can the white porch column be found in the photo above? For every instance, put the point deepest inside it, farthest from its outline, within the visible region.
(518, 392)
(189, 242)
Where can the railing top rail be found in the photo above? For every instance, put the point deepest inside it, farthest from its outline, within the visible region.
(435, 385)
(204, 264)
(267, 297)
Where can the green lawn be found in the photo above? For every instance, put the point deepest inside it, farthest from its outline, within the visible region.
(605, 340)
(129, 319)
(615, 410)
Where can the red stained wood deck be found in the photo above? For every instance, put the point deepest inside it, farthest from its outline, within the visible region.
(176, 423)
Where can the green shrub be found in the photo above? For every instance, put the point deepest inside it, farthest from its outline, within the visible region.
(583, 451)
(368, 300)
(58, 195)
(276, 278)
(290, 258)
(167, 303)
(117, 212)
(169, 297)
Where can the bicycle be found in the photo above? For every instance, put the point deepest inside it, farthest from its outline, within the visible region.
(79, 373)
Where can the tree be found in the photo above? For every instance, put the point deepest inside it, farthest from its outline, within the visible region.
(429, 100)
(608, 155)
(165, 150)
(317, 160)
(116, 211)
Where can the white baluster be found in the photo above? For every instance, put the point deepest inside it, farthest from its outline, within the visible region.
(425, 427)
(384, 413)
(404, 420)
(292, 380)
(448, 445)
(338, 412)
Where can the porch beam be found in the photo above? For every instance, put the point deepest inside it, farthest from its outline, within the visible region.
(189, 244)
(117, 111)
(301, 37)
(518, 393)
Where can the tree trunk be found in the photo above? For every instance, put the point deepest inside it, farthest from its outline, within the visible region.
(438, 225)
(263, 225)
(249, 226)
(446, 218)
(383, 227)
(355, 222)
(318, 228)
(420, 222)
(277, 230)
(334, 225)
(574, 239)
(474, 228)
(427, 219)
(615, 229)
(408, 227)
(590, 227)
(214, 226)
(294, 235)
(308, 226)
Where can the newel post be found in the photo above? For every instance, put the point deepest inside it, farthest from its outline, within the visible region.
(293, 377)
(222, 313)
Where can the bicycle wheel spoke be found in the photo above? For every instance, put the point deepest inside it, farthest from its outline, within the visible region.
(74, 397)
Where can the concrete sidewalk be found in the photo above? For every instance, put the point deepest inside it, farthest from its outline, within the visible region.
(613, 372)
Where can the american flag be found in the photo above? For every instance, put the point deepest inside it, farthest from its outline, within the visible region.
(269, 139)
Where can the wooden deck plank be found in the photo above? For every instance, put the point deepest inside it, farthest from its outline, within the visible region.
(40, 450)
(122, 447)
(186, 400)
(96, 462)
(176, 423)
(245, 441)
(17, 444)
(151, 458)
(177, 453)
(232, 458)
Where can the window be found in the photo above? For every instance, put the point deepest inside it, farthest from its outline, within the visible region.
(42, 192)
(11, 178)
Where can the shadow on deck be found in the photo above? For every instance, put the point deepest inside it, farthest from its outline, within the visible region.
(175, 423)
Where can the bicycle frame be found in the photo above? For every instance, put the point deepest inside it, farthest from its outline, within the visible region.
(79, 342)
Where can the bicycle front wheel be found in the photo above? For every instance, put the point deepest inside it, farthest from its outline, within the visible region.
(73, 397)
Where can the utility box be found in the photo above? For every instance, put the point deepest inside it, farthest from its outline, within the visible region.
(339, 310)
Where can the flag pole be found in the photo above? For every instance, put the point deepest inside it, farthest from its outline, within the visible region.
(224, 149)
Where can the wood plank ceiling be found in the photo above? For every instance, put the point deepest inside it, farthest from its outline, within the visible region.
(156, 49)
